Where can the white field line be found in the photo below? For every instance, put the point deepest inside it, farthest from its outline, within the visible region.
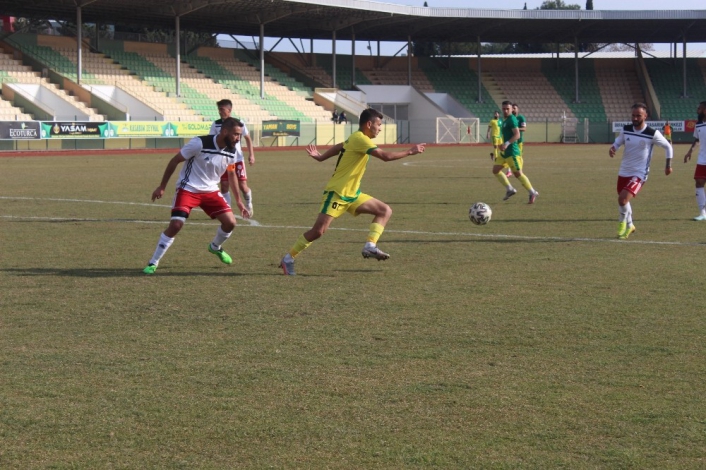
(254, 223)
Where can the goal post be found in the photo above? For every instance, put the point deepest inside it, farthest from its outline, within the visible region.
(457, 130)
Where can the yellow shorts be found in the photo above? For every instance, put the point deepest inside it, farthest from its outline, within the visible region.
(334, 205)
(497, 141)
(514, 162)
(521, 145)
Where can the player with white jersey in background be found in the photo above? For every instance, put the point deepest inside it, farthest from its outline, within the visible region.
(225, 108)
(639, 140)
(700, 171)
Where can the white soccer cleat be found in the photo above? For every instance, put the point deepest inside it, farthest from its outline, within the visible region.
(376, 253)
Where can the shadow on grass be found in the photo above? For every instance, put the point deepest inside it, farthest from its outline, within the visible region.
(108, 273)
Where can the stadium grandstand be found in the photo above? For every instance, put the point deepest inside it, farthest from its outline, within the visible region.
(47, 76)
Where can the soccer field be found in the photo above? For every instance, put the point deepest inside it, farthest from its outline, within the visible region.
(538, 340)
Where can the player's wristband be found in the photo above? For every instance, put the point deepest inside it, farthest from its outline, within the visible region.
(507, 143)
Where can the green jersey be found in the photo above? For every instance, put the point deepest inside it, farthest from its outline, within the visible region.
(508, 127)
(521, 123)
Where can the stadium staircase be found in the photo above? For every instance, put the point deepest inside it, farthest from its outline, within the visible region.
(244, 80)
(462, 83)
(163, 85)
(563, 81)
(50, 59)
(667, 81)
(399, 77)
(619, 87)
(12, 71)
(344, 72)
(535, 96)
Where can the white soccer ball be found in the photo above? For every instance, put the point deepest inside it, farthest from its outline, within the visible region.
(480, 213)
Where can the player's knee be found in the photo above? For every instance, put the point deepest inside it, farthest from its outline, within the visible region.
(228, 225)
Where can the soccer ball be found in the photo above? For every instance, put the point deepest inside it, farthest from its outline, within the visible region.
(480, 213)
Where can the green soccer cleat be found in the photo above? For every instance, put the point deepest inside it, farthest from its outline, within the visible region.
(150, 269)
(222, 255)
(628, 231)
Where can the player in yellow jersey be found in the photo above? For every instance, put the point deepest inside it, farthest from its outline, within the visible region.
(342, 193)
(494, 130)
(494, 133)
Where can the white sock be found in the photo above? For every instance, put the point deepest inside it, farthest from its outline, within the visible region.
(370, 245)
(629, 217)
(701, 199)
(623, 212)
(162, 246)
(226, 196)
(248, 197)
(288, 258)
(219, 239)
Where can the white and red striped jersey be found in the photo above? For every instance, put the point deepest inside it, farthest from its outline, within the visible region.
(204, 165)
(700, 135)
(216, 129)
(638, 150)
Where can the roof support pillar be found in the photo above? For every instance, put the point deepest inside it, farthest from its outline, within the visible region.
(311, 50)
(576, 70)
(684, 92)
(480, 94)
(177, 53)
(333, 59)
(353, 58)
(79, 44)
(409, 60)
(262, 61)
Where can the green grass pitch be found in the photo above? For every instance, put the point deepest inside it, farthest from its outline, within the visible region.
(537, 341)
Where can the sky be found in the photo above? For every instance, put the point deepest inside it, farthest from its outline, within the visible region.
(344, 47)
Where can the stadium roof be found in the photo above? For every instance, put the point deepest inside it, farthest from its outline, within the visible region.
(318, 19)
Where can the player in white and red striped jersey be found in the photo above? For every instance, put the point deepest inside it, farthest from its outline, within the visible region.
(639, 140)
(206, 157)
(700, 171)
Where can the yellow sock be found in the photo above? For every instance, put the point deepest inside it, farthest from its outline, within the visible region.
(375, 232)
(525, 182)
(299, 246)
(500, 175)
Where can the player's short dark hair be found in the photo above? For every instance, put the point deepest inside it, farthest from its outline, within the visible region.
(514, 104)
(640, 106)
(223, 103)
(505, 103)
(231, 123)
(703, 103)
(368, 115)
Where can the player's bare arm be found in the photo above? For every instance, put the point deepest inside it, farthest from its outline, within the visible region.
(389, 156)
(235, 191)
(314, 153)
(687, 157)
(251, 150)
(168, 172)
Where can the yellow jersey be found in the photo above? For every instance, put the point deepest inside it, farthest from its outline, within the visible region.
(350, 167)
(494, 126)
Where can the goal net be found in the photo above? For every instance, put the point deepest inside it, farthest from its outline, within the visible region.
(457, 130)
